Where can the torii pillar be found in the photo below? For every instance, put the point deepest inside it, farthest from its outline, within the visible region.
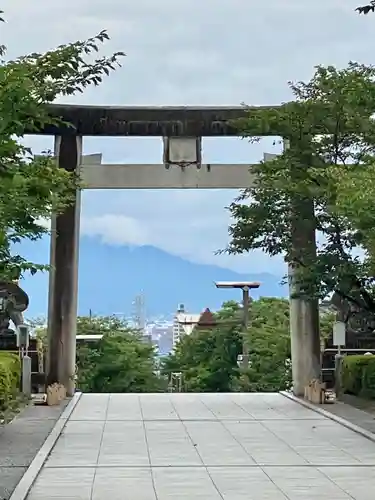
(304, 312)
(63, 277)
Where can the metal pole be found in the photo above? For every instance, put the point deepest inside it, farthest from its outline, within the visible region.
(245, 345)
(26, 375)
(338, 371)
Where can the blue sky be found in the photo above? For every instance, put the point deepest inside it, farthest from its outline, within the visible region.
(189, 52)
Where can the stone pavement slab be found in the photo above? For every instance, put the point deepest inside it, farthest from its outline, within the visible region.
(21, 440)
(204, 446)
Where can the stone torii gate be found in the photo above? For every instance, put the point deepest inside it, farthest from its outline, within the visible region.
(182, 129)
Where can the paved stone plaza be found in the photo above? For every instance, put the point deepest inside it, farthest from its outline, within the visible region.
(20, 442)
(204, 446)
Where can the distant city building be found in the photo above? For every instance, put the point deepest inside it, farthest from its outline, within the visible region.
(163, 335)
(185, 323)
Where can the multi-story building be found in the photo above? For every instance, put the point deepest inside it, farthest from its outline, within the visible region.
(185, 323)
(163, 334)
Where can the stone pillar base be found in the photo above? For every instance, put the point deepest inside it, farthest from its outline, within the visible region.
(55, 394)
(315, 392)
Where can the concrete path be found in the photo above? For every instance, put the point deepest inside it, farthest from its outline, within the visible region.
(21, 440)
(204, 447)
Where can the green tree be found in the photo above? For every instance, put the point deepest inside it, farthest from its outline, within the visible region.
(327, 319)
(32, 188)
(355, 201)
(99, 325)
(230, 310)
(119, 362)
(269, 342)
(338, 105)
(207, 359)
(39, 330)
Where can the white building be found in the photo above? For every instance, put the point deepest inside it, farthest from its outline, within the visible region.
(183, 324)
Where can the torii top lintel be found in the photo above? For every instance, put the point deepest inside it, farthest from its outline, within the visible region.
(172, 121)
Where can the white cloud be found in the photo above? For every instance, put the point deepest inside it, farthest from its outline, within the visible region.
(116, 229)
(189, 52)
(46, 223)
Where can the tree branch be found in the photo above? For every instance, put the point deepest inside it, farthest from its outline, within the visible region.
(366, 9)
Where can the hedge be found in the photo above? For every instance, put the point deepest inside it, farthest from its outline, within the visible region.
(10, 374)
(358, 375)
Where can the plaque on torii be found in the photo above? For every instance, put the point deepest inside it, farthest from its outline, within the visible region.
(182, 152)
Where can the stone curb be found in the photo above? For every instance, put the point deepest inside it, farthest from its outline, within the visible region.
(24, 486)
(331, 416)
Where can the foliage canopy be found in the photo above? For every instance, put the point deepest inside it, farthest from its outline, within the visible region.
(325, 176)
(208, 359)
(33, 188)
(120, 362)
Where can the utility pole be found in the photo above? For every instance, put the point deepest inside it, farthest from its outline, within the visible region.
(245, 345)
(245, 287)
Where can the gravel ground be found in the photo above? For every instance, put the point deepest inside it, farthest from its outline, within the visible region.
(21, 440)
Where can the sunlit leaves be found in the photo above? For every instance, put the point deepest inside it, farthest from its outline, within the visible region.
(33, 188)
(331, 132)
(208, 359)
(119, 362)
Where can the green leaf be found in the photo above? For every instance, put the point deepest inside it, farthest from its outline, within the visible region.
(31, 188)
(120, 362)
(322, 185)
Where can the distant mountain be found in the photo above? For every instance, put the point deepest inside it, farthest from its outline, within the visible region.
(110, 277)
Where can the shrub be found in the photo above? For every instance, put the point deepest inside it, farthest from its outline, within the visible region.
(352, 373)
(368, 378)
(358, 375)
(10, 374)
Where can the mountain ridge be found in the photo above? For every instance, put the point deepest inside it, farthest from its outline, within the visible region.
(110, 277)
